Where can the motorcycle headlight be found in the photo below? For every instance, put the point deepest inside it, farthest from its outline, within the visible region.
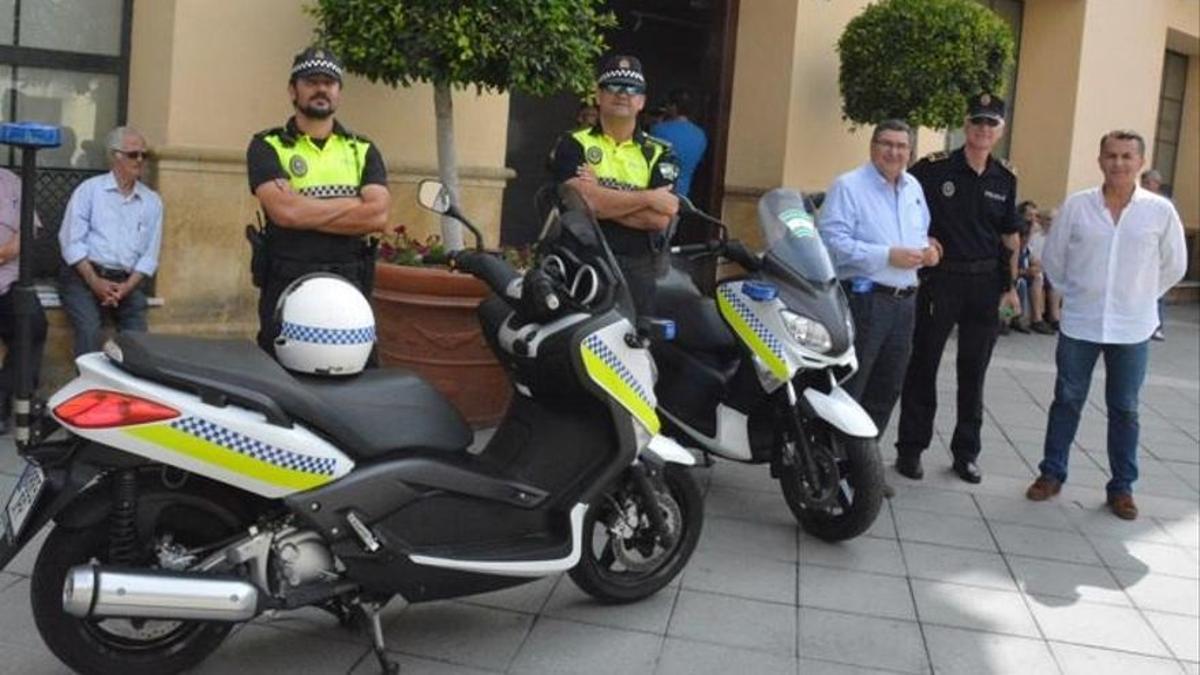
(807, 332)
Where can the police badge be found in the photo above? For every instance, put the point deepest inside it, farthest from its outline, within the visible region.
(668, 171)
(594, 155)
(297, 166)
(948, 188)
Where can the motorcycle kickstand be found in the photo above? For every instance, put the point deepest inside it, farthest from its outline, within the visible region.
(371, 614)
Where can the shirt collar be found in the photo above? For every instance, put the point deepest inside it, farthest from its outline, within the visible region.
(294, 131)
(639, 136)
(901, 182)
(110, 183)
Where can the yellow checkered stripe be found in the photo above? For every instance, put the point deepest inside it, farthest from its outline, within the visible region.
(606, 370)
(743, 321)
(265, 467)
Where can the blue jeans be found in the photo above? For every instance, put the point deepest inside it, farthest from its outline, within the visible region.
(1125, 370)
(87, 316)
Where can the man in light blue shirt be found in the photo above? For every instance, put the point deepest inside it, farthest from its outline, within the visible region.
(110, 239)
(875, 223)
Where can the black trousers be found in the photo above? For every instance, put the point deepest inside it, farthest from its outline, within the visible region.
(971, 302)
(883, 328)
(8, 336)
(640, 272)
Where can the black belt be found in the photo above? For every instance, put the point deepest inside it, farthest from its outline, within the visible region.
(110, 273)
(884, 290)
(966, 266)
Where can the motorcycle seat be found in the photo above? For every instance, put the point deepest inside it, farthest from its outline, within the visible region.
(698, 322)
(366, 415)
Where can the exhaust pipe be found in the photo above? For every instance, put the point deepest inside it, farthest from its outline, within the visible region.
(91, 592)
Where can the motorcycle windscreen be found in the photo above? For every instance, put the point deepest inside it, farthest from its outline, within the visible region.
(790, 233)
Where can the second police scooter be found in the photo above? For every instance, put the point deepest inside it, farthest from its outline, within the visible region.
(754, 372)
(192, 484)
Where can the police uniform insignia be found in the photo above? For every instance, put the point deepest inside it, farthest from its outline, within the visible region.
(985, 99)
(668, 171)
(594, 155)
(623, 63)
(297, 166)
(948, 188)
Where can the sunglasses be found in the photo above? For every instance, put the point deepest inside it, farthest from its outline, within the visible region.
(136, 155)
(985, 121)
(631, 89)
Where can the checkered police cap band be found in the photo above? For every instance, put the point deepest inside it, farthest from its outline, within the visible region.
(621, 75)
(327, 336)
(309, 66)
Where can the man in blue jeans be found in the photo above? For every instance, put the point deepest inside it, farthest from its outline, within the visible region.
(1113, 251)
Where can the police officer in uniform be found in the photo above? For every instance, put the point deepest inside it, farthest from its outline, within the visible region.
(972, 204)
(322, 187)
(626, 176)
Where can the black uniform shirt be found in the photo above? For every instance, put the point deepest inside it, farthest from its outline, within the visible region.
(968, 211)
(263, 165)
(568, 155)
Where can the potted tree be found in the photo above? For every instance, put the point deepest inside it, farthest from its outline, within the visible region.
(425, 313)
(919, 61)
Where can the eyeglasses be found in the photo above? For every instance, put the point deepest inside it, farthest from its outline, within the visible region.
(888, 145)
(136, 155)
(985, 121)
(631, 89)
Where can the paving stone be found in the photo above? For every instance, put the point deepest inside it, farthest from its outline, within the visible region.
(258, 649)
(415, 665)
(777, 542)
(857, 592)
(567, 647)
(866, 554)
(1021, 511)
(649, 614)
(1161, 593)
(754, 505)
(737, 622)
(1096, 625)
(975, 608)
(1040, 543)
(954, 650)
(1100, 522)
(528, 598)
(1182, 531)
(956, 565)
(470, 635)
(1181, 633)
(864, 641)
(687, 657)
(1080, 660)
(741, 573)
(937, 501)
(1067, 581)
(932, 528)
(1147, 556)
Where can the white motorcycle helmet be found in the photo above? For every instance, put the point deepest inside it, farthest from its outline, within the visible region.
(326, 326)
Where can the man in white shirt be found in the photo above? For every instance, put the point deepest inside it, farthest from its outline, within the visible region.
(1112, 252)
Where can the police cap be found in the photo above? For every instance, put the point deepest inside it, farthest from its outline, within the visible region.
(620, 69)
(316, 61)
(986, 105)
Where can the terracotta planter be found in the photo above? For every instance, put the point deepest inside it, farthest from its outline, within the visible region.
(425, 320)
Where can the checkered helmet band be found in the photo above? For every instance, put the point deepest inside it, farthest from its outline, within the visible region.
(327, 336)
(310, 66)
(621, 75)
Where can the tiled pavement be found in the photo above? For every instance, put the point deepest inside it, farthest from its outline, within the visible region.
(951, 579)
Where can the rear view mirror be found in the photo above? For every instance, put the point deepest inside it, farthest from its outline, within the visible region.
(434, 196)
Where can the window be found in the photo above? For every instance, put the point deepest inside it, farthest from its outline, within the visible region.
(66, 63)
(1170, 116)
(1011, 11)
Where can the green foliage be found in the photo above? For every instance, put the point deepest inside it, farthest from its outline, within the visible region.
(919, 60)
(540, 47)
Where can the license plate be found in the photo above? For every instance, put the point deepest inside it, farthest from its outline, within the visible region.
(23, 498)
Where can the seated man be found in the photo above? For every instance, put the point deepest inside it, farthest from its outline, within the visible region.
(110, 238)
(10, 250)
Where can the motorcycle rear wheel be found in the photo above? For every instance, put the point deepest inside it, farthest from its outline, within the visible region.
(858, 499)
(129, 647)
(620, 569)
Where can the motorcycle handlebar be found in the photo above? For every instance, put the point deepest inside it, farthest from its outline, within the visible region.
(489, 269)
(533, 296)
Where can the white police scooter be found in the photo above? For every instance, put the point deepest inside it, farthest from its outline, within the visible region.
(193, 484)
(753, 375)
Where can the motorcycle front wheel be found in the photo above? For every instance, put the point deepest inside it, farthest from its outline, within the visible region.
(859, 493)
(623, 560)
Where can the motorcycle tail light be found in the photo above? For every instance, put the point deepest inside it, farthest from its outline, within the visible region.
(101, 409)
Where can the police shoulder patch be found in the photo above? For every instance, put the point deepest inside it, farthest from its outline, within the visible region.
(659, 141)
(936, 156)
(593, 154)
(1007, 165)
(668, 170)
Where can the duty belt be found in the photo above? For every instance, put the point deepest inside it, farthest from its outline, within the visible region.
(966, 266)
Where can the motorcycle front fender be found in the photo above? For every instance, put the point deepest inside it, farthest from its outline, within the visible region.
(667, 450)
(842, 411)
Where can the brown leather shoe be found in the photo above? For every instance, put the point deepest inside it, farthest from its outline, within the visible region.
(1123, 506)
(1043, 488)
